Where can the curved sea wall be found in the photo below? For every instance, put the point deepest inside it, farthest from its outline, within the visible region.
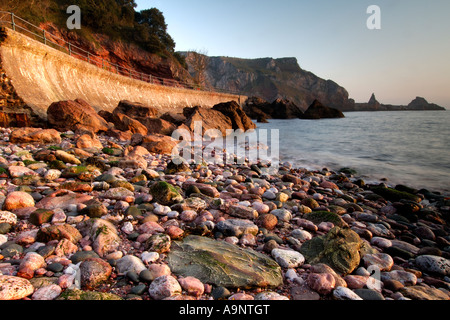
(42, 75)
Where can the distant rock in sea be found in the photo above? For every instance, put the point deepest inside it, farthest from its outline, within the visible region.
(318, 111)
(417, 104)
(257, 108)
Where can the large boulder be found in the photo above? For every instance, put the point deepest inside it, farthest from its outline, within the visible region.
(158, 126)
(285, 109)
(237, 116)
(157, 143)
(125, 123)
(135, 110)
(318, 111)
(35, 135)
(339, 249)
(209, 118)
(75, 115)
(223, 264)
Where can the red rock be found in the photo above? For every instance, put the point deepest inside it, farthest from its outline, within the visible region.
(35, 135)
(158, 126)
(210, 119)
(135, 110)
(174, 232)
(329, 185)
(192, 285)
(14, 288)
(75, 115)
(151, 228)
(87, 141)
(93, 272)
(30, 264)
(355, 281)
(17, 200)
(267, 221)
(159, 144)
(125, 123)
(238, 117)
(322, 283)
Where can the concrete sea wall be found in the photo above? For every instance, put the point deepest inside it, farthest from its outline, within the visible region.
(42, 75)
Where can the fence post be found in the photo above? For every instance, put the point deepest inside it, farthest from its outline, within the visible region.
(89, 58)
(45, 38)
(70, 49)
(12, 22)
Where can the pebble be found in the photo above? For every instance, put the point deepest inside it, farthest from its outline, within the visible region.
(192, 285)
(248, 208)
(433, 264)
(343, 293)
(322, 283)
(288, 258)
(149, 257)
(270, 295)
(50, 292)
(164, 287)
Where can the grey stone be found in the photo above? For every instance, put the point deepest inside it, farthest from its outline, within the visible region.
(237, 227)
(433, 264)
(223, 264)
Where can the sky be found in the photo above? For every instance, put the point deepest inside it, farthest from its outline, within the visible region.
(407, 57)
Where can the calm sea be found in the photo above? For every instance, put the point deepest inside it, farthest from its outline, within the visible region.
(408, 147)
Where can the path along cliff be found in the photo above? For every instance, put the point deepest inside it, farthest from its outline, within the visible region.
(35, 75)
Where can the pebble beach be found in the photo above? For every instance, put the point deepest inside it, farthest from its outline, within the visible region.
(92, 217)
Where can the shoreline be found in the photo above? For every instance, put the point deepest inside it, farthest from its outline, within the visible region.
(94, 217)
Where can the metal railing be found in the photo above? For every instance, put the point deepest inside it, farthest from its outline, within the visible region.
(20, 25)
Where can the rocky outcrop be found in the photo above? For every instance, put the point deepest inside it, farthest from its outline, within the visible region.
(318, 111)
(75, 115)
(273, 79)
(418, 104)
(237, 116)
(210, 119)
(223, 264)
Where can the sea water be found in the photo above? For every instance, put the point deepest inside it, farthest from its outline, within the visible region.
(405, 147)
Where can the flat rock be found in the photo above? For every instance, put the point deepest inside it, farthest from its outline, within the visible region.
(424, 293)
(237, 227)
(223, 264)
(288, 258)
(14, 288)
(433, 264)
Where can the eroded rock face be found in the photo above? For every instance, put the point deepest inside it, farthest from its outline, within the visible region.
(340, 249)
(223, 264)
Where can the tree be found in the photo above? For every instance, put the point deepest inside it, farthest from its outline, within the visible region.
(198, 62)
(155, 24)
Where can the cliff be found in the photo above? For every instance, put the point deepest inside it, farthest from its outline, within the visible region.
(418, 104)
(272, 79)
(126, 55)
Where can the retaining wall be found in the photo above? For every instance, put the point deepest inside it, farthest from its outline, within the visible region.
(42, 75)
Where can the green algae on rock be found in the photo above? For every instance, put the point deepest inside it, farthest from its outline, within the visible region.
(340, 249)
(223, 264)
(76, 294)
(165, 194)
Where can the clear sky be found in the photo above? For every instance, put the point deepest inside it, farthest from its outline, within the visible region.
(408, 57)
